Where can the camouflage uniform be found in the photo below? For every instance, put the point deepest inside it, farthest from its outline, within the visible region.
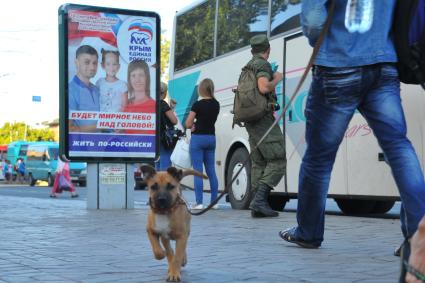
(268, 161)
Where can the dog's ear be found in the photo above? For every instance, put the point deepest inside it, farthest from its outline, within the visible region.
(147, 171)
(176, 173)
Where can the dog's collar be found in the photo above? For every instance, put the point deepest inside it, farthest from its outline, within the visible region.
(169, 210)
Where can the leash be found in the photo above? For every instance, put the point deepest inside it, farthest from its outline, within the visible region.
(297, 89)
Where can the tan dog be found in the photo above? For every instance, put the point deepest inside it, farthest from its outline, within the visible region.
(168, 217)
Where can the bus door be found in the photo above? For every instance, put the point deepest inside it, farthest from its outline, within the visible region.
(296, 53)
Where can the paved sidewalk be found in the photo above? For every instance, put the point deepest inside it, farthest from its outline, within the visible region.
(48, 240)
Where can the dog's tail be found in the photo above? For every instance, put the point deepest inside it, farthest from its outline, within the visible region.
(194, 173)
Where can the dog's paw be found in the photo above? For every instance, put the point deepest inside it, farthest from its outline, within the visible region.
(173, 277)
(159, 254)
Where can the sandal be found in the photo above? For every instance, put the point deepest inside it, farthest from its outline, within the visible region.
(397, 251)
(289, 236)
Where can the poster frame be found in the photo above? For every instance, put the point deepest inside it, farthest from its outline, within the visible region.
(63, 13)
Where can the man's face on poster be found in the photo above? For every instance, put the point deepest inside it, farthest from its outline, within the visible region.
(86, 65)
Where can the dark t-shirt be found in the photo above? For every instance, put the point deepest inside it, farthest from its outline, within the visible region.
(165, 122)
(206, 114)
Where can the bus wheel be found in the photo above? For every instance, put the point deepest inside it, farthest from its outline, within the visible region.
(240, 191)
(356, 206)
(31, 180)
(383, 206)
(50, 180)
(278, 202)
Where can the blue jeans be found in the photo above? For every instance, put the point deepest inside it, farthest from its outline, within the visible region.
(202, 151)
(164, 158)
(335, 94)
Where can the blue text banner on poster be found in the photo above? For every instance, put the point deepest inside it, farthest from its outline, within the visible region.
(112, 143)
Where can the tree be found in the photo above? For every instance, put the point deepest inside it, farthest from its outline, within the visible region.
(235, 23)
(16, 131)
(195, 40)
(165, 56)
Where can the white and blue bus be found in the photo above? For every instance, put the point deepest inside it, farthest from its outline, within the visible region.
(211, 39)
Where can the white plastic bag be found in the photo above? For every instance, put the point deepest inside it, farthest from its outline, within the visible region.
(181, 154)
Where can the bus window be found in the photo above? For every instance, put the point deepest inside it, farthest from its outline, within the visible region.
(32, 155)
(46, 156)
(54, 153)
(195, 35)
(23, 150)
(285, 16)
(238, 21)
(36, 153)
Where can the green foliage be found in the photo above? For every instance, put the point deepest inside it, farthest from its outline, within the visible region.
(235, 21)
(165, 55)
(195, 40)
(16, 131)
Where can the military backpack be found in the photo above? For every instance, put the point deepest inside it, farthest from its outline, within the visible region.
(249, 104)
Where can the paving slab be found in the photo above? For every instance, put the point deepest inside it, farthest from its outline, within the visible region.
(45, 240)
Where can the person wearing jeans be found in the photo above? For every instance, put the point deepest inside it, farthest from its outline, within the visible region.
(353, 71)
(202, 152)
(201, 121)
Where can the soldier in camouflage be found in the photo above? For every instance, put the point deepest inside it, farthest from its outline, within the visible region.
(268, 162)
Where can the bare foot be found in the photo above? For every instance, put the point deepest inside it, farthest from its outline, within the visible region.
(417, 255)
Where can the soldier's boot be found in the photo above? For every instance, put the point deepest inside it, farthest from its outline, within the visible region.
(259, 205)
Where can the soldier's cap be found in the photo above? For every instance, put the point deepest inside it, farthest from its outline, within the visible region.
(259, 43)
(164, 87)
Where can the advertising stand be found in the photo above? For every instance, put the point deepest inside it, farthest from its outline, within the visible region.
(109, 88)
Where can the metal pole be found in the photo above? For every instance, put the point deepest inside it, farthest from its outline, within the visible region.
(25, 133)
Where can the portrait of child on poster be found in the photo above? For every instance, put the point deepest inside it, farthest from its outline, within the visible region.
(112, 78)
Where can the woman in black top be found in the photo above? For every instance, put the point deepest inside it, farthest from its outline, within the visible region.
(168, 120)
(201, 120)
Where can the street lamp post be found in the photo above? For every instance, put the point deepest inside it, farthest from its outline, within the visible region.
(25, 132)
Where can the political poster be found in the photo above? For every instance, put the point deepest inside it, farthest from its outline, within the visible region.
(110, 83)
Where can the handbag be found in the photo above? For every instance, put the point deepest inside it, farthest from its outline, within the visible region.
(170, 136)
(64, 184)
(181, 154)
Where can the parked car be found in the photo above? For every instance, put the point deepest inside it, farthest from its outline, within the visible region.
(3, 155)
(139, 183)
(2, 163)
(16, 150)
(3, 151)
(42, 161)
(78, 172)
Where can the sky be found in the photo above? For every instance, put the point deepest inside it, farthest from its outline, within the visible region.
(29, 63)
